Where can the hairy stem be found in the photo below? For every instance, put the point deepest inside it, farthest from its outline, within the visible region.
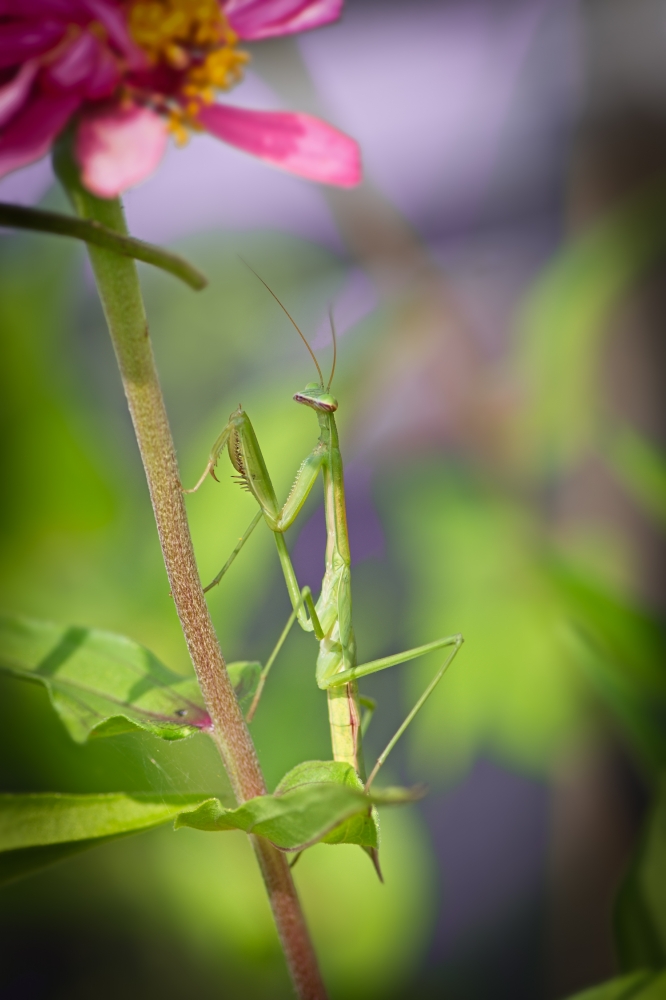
(119, 290)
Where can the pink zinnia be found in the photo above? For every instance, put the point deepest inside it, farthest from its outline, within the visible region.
(133, 71)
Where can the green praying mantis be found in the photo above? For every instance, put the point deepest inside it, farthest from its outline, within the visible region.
(330, 619)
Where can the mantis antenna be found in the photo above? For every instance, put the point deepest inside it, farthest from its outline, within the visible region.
(289, 316)
(335, 346)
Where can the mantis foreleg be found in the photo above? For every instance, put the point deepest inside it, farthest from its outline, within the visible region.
(239, 438)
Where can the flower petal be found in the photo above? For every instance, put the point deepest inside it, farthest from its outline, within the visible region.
(31, 134)
(298, 143)
(119, 147)
(86, 66)
(255, 19)
(66, 10)
(114, 19)
(21, 40)
(14, 93)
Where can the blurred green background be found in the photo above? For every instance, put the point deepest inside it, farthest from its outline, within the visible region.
(505, 479)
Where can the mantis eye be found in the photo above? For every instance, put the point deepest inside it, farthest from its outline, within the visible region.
(312, 385)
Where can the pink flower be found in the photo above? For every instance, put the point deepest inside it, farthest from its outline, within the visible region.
(131, 72)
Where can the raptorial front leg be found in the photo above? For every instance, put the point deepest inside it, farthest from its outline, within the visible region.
(215, 452)
(308, 625)
(374, 666)
(247, 459)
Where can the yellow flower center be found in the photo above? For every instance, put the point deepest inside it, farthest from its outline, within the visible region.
(194, 37)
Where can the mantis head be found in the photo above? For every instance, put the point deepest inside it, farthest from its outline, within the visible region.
(317, 397)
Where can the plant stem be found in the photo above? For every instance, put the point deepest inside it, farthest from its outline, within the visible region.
(119, 290)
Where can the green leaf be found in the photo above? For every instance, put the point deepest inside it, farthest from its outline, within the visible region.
(293, 821)
(362, 828)
(640, 908)
(344, 774)
(39, 818)
(316, 801)
(622, 649)
(20, 217)
(315, 771)
(40, 828)
(643, 985)
(102, 684)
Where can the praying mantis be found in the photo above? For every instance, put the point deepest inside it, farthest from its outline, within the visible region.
(330, 619)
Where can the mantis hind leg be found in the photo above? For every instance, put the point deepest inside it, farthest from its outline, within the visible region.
(305, 598)
(374, 666)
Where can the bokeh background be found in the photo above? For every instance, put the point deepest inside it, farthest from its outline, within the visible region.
(498, 285)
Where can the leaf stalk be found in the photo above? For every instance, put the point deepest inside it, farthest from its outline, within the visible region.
(92, 231)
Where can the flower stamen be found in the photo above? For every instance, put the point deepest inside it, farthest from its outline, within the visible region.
(193, 38)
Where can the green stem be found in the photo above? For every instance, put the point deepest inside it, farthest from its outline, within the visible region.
(120, 293)
(19, 217)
